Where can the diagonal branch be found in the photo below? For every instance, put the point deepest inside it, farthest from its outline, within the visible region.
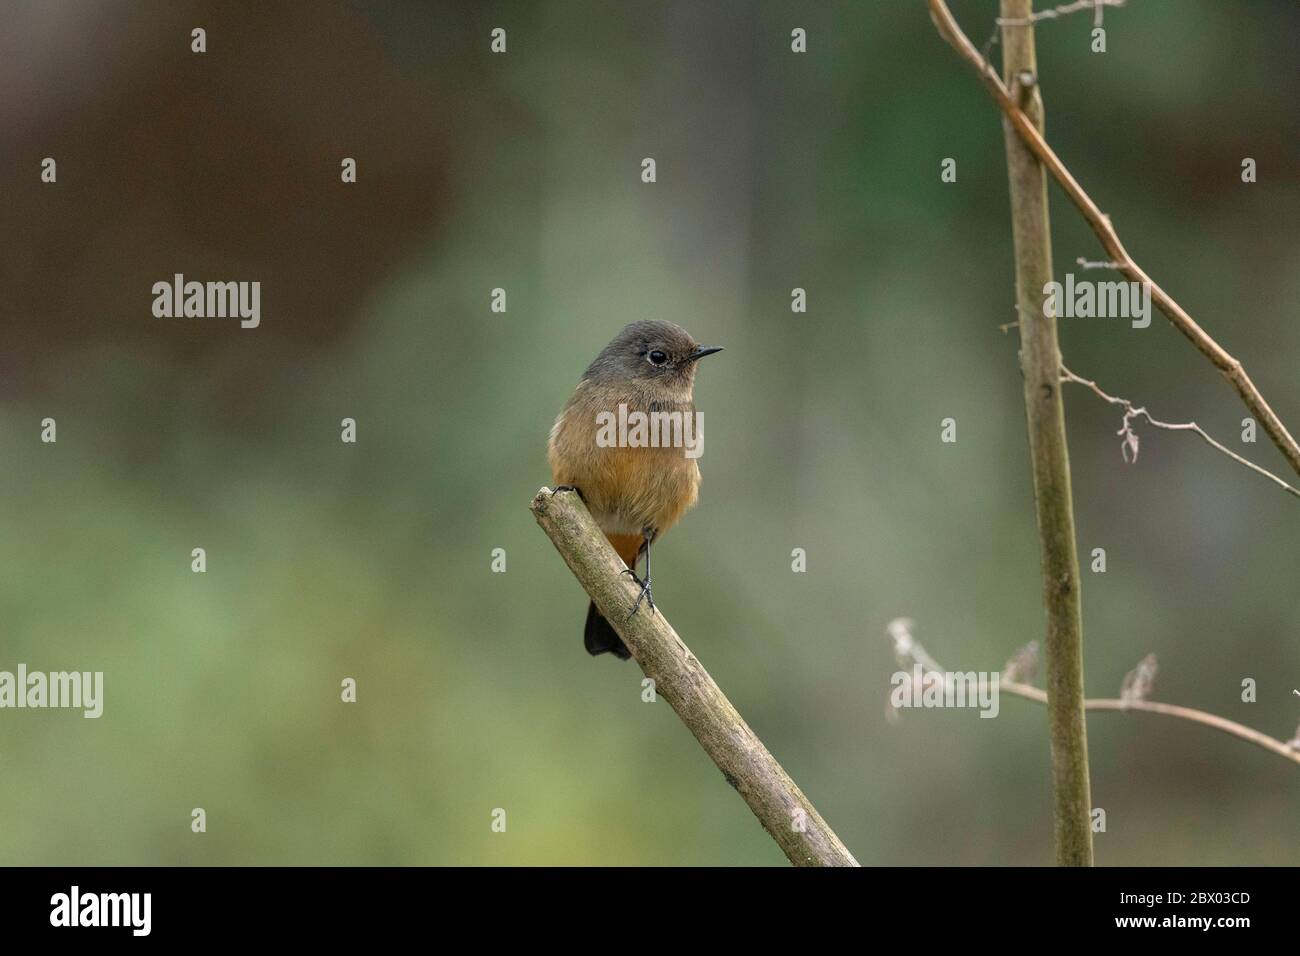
(1230, 367)
(787, 815)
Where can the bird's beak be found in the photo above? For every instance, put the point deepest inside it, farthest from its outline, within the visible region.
(702, 351)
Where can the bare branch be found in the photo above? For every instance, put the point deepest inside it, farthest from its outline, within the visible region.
(1129, 447)
(1287, 750)
(1063, 10)
(1025, 128)
(787, 815)
(1097, 6)
(909, 650)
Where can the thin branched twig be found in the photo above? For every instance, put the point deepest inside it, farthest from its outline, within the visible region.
(1097, 6)
(1064, 9)
(1129, 445)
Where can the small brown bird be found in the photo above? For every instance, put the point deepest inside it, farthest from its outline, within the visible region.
(636, 483)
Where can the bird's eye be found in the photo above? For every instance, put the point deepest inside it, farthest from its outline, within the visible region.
(657, 357)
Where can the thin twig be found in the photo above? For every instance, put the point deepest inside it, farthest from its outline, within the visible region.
(1014, 676)
(1064, 9)
(1129, 447)
(1097, 6)
(1240, 731)
(1230, 367)
(680, 679)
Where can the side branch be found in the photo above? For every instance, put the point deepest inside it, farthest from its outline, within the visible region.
(1230, 727)
(787, 815)
(1131, 412)
(1230, 367)
(1019, 671)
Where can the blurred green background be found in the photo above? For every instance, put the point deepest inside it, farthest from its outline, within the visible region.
(521, 171)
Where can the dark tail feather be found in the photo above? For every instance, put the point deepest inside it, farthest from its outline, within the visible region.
(600, 637)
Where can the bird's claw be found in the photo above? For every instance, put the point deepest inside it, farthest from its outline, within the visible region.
(574, 488)
(645, 594)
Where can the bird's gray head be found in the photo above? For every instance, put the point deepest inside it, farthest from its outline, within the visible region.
(649, 352)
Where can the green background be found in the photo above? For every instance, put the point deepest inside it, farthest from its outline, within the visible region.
(521, 171)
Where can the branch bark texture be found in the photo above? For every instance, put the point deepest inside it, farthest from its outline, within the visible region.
(680, 679)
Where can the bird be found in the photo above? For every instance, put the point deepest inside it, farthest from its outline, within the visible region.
(636, 487)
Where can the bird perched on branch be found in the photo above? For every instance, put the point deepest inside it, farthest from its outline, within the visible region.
(628, 441)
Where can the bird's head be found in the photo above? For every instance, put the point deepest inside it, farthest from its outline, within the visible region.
(648, 353)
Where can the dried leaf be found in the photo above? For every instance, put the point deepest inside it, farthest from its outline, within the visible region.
(1023, 665)
(1139, 682)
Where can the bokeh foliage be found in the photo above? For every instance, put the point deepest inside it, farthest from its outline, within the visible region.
(521, 171)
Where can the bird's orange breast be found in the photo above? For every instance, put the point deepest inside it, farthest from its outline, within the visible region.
(626, 489)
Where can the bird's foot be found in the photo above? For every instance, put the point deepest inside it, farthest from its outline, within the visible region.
(645, 594)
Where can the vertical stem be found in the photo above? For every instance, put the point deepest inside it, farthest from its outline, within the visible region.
(1040, 363)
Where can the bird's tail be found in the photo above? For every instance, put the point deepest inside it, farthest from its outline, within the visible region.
(599, 637)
